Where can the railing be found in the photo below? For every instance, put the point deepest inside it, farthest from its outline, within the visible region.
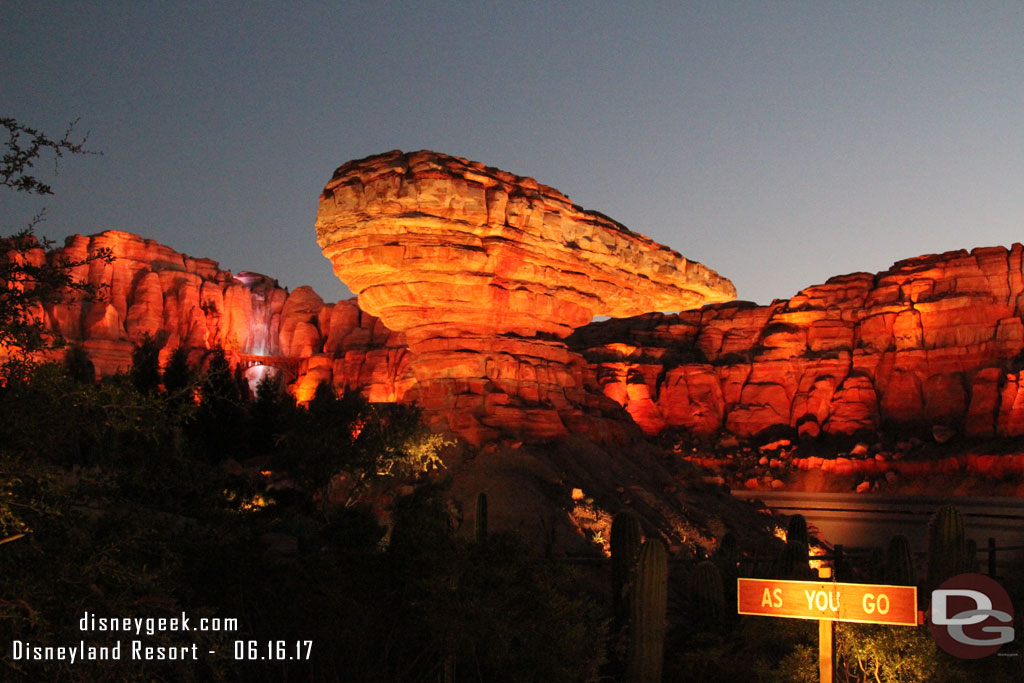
(992, 550)
(860, 557)
(289, 366)
(759, 564)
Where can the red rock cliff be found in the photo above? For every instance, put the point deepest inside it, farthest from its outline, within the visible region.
(934, 340)
(179, 300)
(486, 272)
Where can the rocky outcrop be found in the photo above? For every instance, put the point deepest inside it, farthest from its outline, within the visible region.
(934, 340)
(151, 289)
(486, 272)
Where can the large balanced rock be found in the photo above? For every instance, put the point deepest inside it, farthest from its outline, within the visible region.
(486, 272)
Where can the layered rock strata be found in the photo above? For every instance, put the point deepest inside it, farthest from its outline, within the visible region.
(179, 300)
(486, 272)
(934, 340)
(151, 289)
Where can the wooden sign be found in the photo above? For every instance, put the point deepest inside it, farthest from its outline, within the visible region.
(856, 602)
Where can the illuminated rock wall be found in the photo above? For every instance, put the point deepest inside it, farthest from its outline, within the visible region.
(935, 340)
(485, 272)
(151, 289)
(179, 300)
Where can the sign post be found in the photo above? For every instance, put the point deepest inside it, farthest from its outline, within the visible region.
(828, 602)
(826, 650)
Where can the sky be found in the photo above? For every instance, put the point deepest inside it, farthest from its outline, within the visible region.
(779, 143)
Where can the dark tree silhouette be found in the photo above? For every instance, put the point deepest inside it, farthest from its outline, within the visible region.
(220, 423)
(78, 365)
(178, 374)
(25, 146)
(31, 279)
(145, 372)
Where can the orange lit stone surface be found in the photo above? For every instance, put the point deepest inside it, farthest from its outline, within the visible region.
(934, 340)
(179, 300)
(485, 272)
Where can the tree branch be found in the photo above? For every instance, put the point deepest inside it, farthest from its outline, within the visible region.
(25, 145)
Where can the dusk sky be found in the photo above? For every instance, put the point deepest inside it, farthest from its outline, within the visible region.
(777, 143)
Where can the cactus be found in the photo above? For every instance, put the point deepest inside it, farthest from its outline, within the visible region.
(947, 550)
(727, 550)
(649, 598)
(481, 517)
(625, 542)
(899, 563)
(796, 530)
(707, 595)
(726, 558)
(792, 562)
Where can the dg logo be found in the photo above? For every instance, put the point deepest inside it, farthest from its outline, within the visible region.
(971, 616)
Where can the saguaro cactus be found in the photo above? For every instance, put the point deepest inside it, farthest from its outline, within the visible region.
(481, 517)
(947, 549)
(792, 562)
(625, 542)
(707, 595)
(649, 598)
(797, 531)
(727, 553)
(899, 563)
(726, 558)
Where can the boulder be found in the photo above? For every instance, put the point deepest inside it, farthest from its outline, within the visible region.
(485, 273)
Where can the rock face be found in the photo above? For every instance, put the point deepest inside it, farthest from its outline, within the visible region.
(152, 289)
(486, 272)
(935, 340)
(184, 301)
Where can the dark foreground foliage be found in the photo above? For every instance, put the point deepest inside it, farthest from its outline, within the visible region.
(124, 498)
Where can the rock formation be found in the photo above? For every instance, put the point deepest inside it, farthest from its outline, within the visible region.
(486, 272)
(152, 289)
(179, 300)
(934, 341)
